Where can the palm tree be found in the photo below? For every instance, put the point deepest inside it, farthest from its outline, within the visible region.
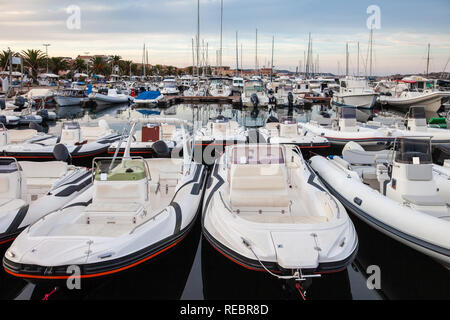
(125, 66)
(58, 64)
(78, 65)
(4, 59)
(115, 61)
(34, 59)
(99, 65)
(134, 69)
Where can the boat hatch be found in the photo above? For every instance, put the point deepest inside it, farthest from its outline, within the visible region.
(150, 132)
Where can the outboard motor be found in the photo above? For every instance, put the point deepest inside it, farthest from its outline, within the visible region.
(272, 119)
(61, 153)
(20, 102)
(43, 113)
(290, 99)
(2, 104)
(221, 118)
(161, 149)
(35, 126)
(254, 99)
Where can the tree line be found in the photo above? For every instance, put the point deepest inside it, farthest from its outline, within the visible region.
(35, 61)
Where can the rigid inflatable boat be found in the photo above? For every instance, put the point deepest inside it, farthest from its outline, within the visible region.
(416, 125)
(287, 131)
(266, 210)
(30, 190)
(346, 129)
(153, 130)
(219, 132)
(395, 192)
(135, 210)
(83, 143)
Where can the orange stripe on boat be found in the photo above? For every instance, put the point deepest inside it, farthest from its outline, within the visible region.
(96, 274)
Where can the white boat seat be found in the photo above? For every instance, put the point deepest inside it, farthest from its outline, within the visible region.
(287, 130)
(258, 186)
(369, 174)
(113, 213)
(19, 136)
(48, 169)
(219, 129)
(429, 201)
(93, 133)
(4, 185)
(118, 192)
(40, 183)
(259, 200)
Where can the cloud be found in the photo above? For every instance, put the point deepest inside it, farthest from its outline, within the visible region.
(167, 27)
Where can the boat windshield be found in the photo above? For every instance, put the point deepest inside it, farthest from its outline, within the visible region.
(257, 154)
(413, 150)
(417, 113)
(220, 119)
(169, 84)
(122, 169)
(288, 120)
(71, 125)
(347, 113)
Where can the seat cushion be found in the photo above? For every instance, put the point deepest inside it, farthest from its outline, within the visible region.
(4, 185)
(19, 136)
(259, 199)
(47, 169)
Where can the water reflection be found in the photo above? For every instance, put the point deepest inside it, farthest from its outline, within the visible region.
(405, 273)
(161, 278)
(225, 280)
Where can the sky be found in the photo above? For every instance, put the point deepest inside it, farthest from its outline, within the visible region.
(121, 27)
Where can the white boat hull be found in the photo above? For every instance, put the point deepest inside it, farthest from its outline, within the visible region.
(417, 230)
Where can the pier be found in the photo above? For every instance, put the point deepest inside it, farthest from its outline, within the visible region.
(234, 100)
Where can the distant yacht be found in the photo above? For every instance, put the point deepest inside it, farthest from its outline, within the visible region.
(355, 93)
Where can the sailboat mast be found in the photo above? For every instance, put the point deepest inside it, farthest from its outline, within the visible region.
(237, 56)
(198, 38)
(193, 57)
(271, 65)
(143, 61)
(256, 53)
(357, 70)
(346, 60)
(241, 56)
(221, 33)
(371, 54)
(428, 60)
